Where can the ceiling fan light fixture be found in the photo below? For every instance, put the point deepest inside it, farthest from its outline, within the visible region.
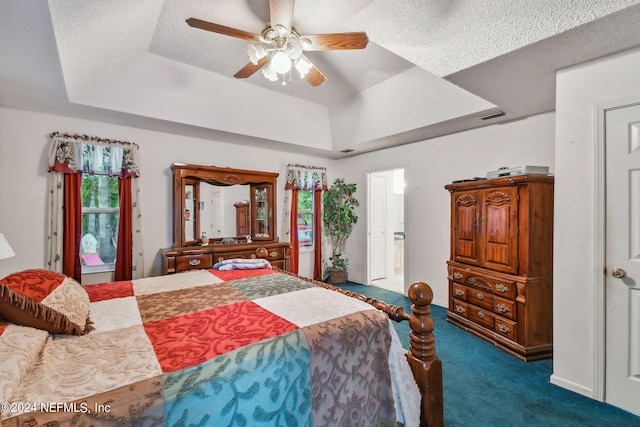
(281, 30)
(281, 63)
(303, 66)
(256, 52)
(270, 74)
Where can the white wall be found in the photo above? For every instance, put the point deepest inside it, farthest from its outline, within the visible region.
(578, 90)
(429, 166)
(23, 173)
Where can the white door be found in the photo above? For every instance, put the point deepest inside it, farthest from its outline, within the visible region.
(623, 258)
(378, 224)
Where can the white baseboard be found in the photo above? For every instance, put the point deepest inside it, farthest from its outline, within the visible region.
(440, 303)
(572, 386)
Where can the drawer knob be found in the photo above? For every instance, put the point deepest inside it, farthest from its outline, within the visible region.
(459, 309)
(502, 308)
(480, 295)
(501, 288)
(273, 254)
(504, 329)
(481, 315)
(459, 292)
(457, 275)
(194, 262)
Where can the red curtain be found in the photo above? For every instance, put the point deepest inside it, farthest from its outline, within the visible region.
(317, 235)
(293, 230)
(71, 265)
(124, 256)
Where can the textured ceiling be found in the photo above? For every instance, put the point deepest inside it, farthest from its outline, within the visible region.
(432, 67)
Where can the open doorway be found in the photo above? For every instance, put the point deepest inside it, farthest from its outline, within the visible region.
(385, 213)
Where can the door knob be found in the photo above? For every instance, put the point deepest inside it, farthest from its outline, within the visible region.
(618, 273)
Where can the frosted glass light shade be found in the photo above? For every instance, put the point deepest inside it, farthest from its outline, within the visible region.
(281, 63)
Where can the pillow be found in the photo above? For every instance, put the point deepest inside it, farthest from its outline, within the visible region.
(242, 264)
(45, 300)
(20, 349)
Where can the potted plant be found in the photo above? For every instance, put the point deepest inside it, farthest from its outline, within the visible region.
(338, 217)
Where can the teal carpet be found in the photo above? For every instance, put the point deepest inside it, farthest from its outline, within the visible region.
(484, 386)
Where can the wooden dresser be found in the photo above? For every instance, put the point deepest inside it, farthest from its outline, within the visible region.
(253, 235)
(176, 260)
(501, 266)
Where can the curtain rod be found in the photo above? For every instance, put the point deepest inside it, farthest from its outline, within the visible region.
(306, 167)
(92, 138)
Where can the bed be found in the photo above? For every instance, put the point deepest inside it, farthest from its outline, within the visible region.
(243, 346)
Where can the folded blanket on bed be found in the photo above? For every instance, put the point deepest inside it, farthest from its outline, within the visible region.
(242, 264)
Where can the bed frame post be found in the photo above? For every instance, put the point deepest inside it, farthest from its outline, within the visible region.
(422, 357)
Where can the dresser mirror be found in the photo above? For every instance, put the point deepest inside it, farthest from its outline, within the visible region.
(223, 205)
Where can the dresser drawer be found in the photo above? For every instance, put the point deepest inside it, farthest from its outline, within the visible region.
(193, 261)
(274, 254)
(506, 328)
(481, 316)
(480, 298)
(504, 307)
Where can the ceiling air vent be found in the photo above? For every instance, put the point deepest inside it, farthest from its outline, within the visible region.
(346, 150)
(493, 115)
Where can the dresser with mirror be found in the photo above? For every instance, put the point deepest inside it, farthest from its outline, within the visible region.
(222, 213)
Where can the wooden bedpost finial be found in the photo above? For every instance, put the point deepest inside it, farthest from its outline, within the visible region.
(420, 294)
(421, 323)
(424, 362)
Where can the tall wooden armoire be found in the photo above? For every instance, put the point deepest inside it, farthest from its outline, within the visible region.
(501, 266)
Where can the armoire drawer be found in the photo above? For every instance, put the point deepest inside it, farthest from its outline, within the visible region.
(480, 298)
(481, 316)
(504, 307)
(460, 308)
(506, 328)
(504, 288)
(460, 291)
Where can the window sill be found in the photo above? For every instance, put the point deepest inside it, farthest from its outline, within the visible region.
(94, 269)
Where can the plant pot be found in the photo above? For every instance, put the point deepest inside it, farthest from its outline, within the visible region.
(337, 276)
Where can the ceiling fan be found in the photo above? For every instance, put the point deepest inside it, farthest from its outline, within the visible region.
(280, 47)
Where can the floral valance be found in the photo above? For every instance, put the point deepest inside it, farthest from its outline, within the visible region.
(306, 178)
(89, 154)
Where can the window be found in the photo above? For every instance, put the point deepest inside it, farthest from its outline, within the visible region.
(100, 217)
(305, 218)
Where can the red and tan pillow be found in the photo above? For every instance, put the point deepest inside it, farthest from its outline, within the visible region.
(45, 300)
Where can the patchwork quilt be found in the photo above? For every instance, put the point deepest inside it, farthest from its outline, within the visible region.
(213, 348)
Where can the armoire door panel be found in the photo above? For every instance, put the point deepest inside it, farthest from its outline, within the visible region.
(500, 222)
(465, 241)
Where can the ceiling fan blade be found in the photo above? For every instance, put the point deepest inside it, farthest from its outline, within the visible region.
(221, 29)
(315, 77)
(281, 13)
(338, 41)
(249, 69)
